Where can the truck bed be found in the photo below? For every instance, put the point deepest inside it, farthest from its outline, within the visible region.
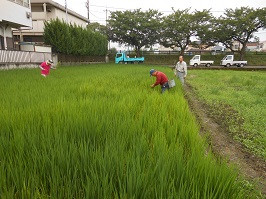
(134, 59)
(240, 62)
(206, 62)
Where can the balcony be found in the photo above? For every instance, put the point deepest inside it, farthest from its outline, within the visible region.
(25, 3)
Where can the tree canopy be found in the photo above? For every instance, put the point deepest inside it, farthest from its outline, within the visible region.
(135, 28)
(139, 29)
(97, 27)
(238, 25)
(179, 27)
(73, 40)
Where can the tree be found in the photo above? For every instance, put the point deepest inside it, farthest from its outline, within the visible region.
(97, 27)
(135, 28)
(179, 27)
(238, 25)
(53, 35)
(76, 40)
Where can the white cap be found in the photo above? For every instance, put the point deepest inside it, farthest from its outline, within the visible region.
(49, 61)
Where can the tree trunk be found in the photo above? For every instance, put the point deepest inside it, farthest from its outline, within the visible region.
(182, 52)
(137, 51)
(242, 52)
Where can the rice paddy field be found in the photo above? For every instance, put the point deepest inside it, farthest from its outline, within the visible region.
(100, 131)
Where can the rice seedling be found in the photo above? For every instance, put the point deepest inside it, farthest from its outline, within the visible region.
(100, 131)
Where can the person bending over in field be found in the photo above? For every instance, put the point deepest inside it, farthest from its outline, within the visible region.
(45, 67)
(181, 70)
(161, 79)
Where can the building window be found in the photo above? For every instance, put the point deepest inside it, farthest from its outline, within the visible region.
(25, 3)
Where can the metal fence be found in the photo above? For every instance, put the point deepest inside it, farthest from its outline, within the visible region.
(23, 57)
(171, 52)
(189, 52)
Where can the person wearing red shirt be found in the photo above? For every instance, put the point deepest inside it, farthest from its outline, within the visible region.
(161, 79)
(45, 67)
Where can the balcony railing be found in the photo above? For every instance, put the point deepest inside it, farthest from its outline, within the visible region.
(24, 3)
(20, 57)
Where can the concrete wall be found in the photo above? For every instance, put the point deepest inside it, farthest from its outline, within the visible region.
(264, 45)
(252, 48)
(70, 18)
(44, 12)
(46, 49)
(10, 66)
(15, 13)
(5, 29)
(17, 66)
(27, 48)
(40, 17)
(23, 57)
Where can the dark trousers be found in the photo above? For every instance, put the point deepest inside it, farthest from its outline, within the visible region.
(164, 87)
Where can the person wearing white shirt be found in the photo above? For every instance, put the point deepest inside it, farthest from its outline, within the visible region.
(181, 70)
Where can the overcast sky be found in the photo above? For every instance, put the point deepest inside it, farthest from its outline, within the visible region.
(98, 7)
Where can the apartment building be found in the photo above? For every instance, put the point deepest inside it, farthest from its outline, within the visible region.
(13, 14)
(45, 10)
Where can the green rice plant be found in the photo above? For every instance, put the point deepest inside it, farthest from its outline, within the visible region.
(100, 131)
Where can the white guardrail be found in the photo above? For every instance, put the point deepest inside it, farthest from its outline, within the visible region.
(23, 57)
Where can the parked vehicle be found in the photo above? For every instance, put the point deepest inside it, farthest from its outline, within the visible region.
(228, 61)
(195, 61)
(123, 58)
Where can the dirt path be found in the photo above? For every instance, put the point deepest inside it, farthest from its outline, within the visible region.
(222, 144)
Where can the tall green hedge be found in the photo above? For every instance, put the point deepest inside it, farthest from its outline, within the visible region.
(74, 40)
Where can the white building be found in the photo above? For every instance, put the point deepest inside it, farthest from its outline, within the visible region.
(45, 10)
(262, 46)
(253, 46)
(13, 14)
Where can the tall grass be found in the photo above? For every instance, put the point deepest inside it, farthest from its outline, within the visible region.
(100, 131)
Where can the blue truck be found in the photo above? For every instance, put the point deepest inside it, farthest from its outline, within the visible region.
(123, 58)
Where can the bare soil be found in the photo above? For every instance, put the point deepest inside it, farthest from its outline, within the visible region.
(222, 144)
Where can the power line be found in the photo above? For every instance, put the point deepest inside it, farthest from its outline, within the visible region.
(96, 16)
(110, 7)
(96, 11)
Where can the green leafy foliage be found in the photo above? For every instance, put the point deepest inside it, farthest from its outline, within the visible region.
(179, 27)
(74, 40)
(238, 25)
(135, 28)
(96, 27)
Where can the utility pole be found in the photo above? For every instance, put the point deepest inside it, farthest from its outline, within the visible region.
(106, 17)
(106, 27)
(66, 23)
(88, 9)
(66, 11)
(108, 45)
